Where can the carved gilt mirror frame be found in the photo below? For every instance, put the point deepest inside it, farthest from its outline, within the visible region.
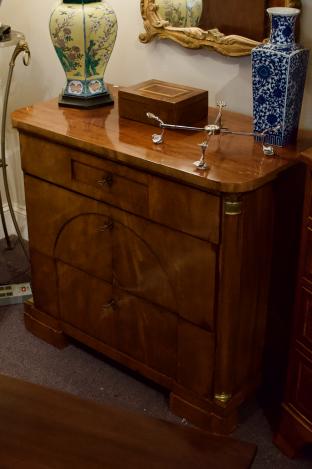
(195, 37)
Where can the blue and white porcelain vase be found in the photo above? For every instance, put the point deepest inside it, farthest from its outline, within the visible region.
(83, 33)
(278, 76)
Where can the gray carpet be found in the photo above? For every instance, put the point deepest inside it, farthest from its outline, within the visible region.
(14, 267)
(86, 374)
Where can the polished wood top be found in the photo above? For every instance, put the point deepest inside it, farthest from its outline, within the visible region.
(236, 163)
(43, 428)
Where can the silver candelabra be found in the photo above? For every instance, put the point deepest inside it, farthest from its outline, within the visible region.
(210, 130)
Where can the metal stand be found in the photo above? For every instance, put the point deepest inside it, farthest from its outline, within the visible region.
(18, 40)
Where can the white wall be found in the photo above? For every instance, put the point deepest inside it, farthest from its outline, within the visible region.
(225, 77)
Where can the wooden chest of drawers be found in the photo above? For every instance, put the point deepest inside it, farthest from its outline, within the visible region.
(295, 426)
(160, 267)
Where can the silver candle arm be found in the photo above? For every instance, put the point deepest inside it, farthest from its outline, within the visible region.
(182, 127)
(220, 105)
(212, 129)
(215, 129)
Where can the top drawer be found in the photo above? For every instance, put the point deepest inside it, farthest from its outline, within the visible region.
(85, 174)
(188, 210)
(180, 207)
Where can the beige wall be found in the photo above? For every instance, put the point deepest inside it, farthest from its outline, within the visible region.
(225, 77)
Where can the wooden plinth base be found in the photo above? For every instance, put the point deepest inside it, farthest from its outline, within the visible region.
(202, 413)
(43, 326)
(202, 418)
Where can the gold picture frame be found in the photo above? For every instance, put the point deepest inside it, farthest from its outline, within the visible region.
(194, 37)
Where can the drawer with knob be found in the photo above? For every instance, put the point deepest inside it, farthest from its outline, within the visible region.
(183, 208)
(119, 319)
(137, 328)
(85, 174)
(145, 259)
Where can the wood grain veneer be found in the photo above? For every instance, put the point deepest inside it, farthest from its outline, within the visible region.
(45, 428)
(237, 164)
(171, 102)
(167, 270)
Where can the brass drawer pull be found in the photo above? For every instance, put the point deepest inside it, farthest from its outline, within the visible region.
(110, 305)
(105, 181)
(107, 227)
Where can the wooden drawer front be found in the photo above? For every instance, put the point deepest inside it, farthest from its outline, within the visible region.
(105, 182)
(183, 208)
(147, 260)
(305, 316)
(301, 385)
(85, 242)
(129, 324)
(146, 332)
(86, 174)
(180, 207)
(165, 267)
(71, 227)
(196, 351)
(83, 303)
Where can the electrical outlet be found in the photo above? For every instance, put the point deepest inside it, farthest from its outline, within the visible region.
(14, 293)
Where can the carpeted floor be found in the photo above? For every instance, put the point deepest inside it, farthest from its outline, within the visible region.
(14, 267)
(82, 372)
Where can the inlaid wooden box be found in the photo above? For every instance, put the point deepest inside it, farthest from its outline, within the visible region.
(173, 103)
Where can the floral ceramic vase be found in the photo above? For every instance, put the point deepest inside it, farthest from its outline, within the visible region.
(83, 33)
(180, 13)
(278, 72)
